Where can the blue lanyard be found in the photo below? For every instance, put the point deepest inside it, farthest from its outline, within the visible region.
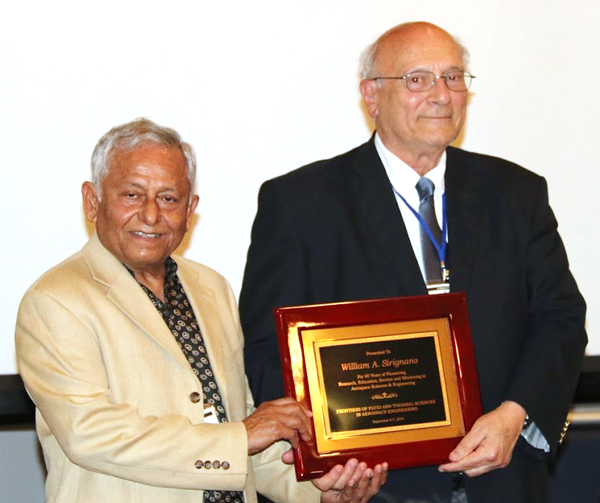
(440, 249)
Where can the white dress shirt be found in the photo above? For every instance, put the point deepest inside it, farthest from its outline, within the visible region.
(404, 180)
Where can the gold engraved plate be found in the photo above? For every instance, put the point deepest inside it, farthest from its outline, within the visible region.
(381, 384)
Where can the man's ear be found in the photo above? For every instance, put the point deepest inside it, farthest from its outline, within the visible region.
(370, 93)
(190, 212)
(90, 201)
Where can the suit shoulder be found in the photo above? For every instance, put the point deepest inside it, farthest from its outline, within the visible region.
(492, 167)
(321, 171)
(63, 276)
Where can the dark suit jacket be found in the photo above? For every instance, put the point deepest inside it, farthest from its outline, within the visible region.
(332, 231)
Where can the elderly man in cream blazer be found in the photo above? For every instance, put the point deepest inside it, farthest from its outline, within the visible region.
(134, 358)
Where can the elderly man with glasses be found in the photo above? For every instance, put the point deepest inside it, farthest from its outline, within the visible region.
(407, 214)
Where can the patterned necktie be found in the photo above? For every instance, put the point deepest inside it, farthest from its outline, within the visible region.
(181, 320)
(431, 260)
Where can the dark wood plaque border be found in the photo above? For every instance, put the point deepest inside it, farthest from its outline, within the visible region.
(453, 306)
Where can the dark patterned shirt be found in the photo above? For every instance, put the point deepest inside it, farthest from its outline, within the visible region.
(179, 316)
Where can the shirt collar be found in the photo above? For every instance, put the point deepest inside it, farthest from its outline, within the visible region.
(170, 270)
(403, 178)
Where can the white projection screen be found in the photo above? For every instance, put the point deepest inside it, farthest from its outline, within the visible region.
(260, 88)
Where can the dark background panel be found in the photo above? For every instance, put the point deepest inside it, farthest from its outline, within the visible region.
(16, 407)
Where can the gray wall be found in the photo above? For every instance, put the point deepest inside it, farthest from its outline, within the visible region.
(22, 470)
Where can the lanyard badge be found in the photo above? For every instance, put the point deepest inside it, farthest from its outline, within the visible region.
(440, 248)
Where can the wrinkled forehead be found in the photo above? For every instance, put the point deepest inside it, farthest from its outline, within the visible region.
(419, 49)
(152, 163)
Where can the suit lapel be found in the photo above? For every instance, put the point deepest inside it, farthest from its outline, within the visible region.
(126, 294)
(462, 196)
(377, 207)
(205, 308)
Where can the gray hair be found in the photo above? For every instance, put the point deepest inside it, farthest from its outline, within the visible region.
(127, 137)
(369, 55)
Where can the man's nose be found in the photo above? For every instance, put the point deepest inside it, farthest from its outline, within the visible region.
(150, 212)
(439, 92)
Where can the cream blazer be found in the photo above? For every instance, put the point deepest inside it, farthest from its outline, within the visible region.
(112, 390)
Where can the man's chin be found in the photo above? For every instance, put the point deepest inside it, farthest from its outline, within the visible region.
(441, 139)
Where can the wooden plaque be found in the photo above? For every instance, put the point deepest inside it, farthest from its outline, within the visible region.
(387, 380)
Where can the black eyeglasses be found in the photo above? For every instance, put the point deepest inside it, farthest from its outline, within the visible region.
(418, 82)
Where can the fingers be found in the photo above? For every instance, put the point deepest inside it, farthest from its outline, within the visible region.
(475, 464)
(282, 419)
(371, 481)
(466, 448)
(489, 445)
(378, 479)
(338, 476)
(351, 475)
(291, 414)
(472, 464)
(473, 458)
(354, 482)
(368, 483)
(467, 445)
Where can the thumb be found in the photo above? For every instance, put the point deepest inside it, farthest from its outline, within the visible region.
(288, 457)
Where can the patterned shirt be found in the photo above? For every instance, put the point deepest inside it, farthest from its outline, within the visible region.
(179, 316)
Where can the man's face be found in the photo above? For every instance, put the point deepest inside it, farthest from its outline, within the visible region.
(145, 208)
(416, 123)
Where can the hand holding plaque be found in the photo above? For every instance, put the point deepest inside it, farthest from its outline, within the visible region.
(282, 419)
(286, 419)
(352, 483)
(389, 380)
(490, 443)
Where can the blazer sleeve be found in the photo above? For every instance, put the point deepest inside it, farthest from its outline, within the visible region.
(274, 277)
(545, 379)
(276, 480)
(61, 362)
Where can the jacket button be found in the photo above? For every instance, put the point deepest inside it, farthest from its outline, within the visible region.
(207, 465)
(225, 465)
(194, 397)
(199, 464)
(216, 464)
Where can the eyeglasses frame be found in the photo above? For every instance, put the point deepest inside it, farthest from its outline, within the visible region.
(443, 76)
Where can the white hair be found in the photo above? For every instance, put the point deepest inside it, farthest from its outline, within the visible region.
(127, 137)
